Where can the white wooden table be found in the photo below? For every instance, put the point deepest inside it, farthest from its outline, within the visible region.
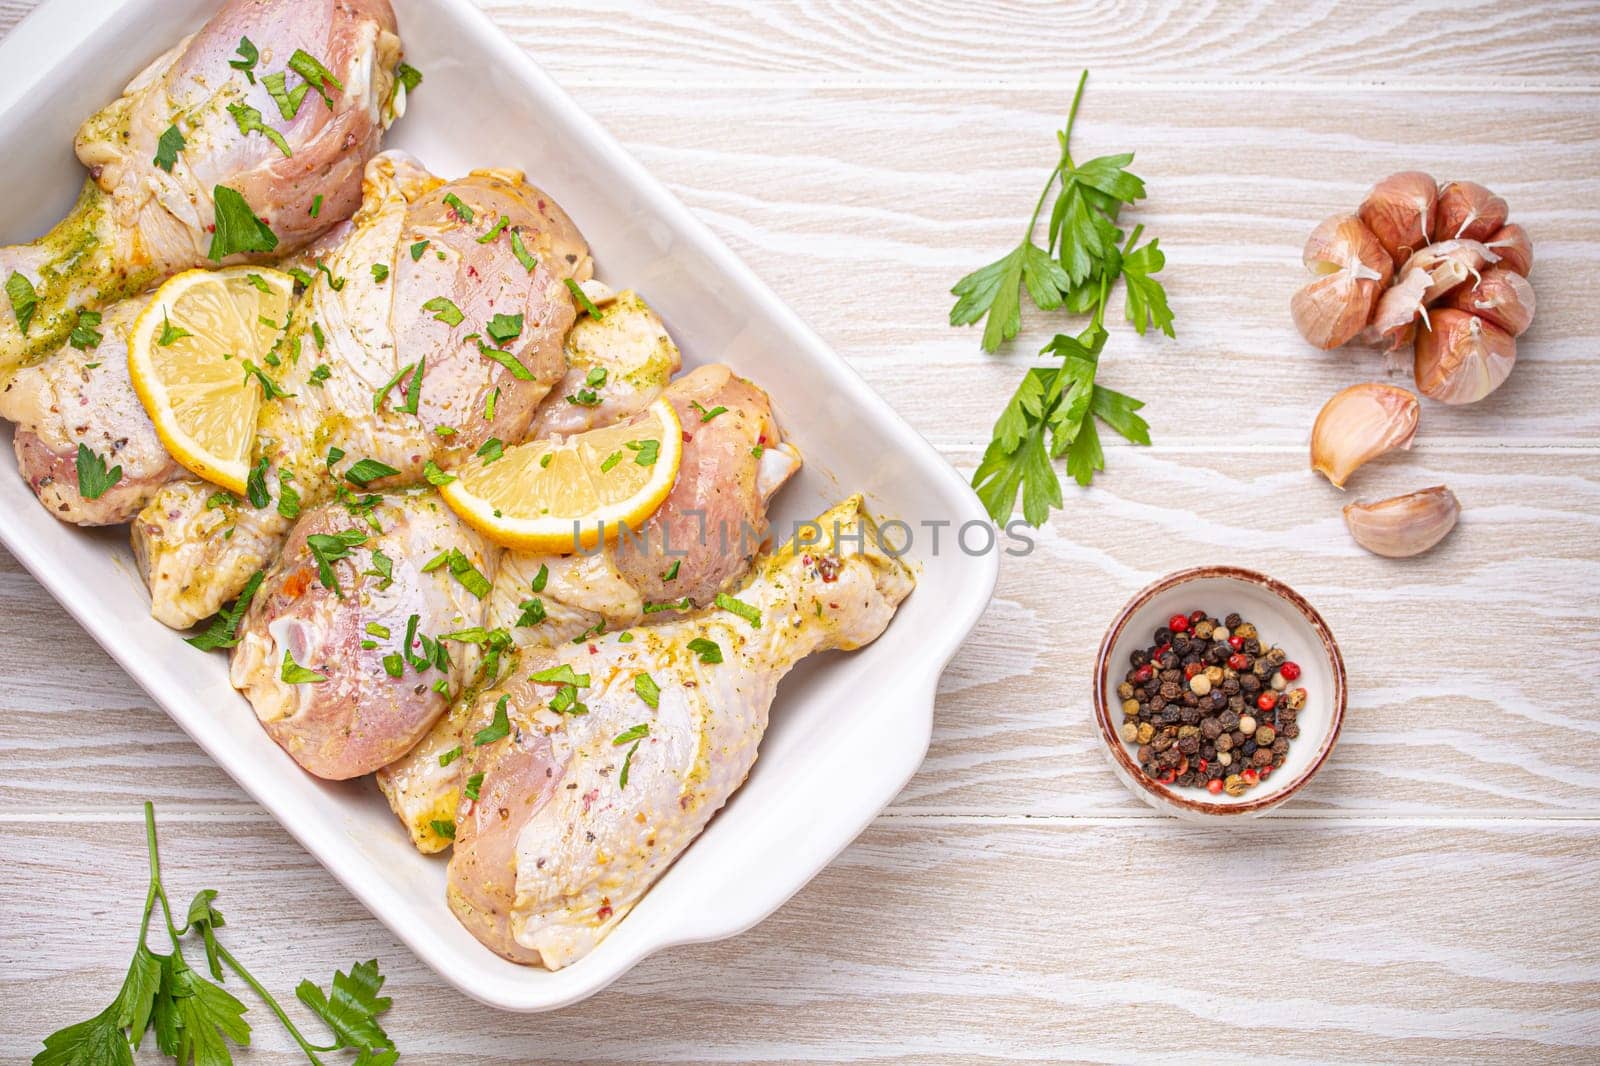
(1436, 892)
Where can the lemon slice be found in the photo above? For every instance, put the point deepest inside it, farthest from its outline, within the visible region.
(555, 495)
(189, 354)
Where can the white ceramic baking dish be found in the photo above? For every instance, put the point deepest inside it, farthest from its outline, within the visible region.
(847, 731)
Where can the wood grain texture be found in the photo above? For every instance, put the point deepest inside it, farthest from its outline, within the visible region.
(1431, 896)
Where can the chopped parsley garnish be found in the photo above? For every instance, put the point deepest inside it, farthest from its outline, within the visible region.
(319, 77)
(336, 284)
(646, 688)
(269, 389)
(374, 629)
(496, 231)
(220, 499)
(316, 206)
(474, 783)
(560, 675)
(394, 665)
(380, 273)
(671, 573)
(318, 336)
(417, 250)
(293, 673)
(288, 100)
(94, 480)
(364, 472)
(434, 475)
(541, 578)
(320, 373)
(444, 829)
(84, 336)
(507, 360)
(414, 388)
(301, 277)
(633, 733)
(758, 451)
(492, 449)
(223, 632)
(329, 548)
(648, 451)
(503, 328)
(740, 608)
(705, 415)
(532, 613)
(168, 146)
(383, 390)
(255, 486)
(518, 249)
(610, 461)
(383, 570)
(450, 756)
(444, 310)
(583, 300)
(238, 228)
(469, 576)
(335, 453)
(625, 638)
(497, 729)
(249, 121)
(288, 498)
(248, 57)
(709, 651)
(409, 76)
(258, 283)
(489, 403)
(463, 212)
(24, 301)
(671, 605)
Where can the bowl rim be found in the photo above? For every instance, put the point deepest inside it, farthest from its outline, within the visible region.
(1118, 748)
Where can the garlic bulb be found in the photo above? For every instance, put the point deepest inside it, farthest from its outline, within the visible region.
(1354, 268)
(1361, 423)
(1449, 263)
(1400, 212)
(1461, 358)
(1512, 245)
(1501, 297)
(1468, 211)
(1406, 525)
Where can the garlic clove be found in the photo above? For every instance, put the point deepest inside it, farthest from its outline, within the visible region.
(1511, 243)
(1394, 320)
(1361, 423)
(1449, 264)
(1461, 358)
(1400, 211)
(1468, 211)
(1342, 243)
(1353, 268)
(1406, 525)
(1501, 297)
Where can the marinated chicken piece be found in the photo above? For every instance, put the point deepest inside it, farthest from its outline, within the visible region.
(616, 367)
(82, 397)
(138, 222)
(699, 541)
(359, 638)
(549, 599)
(578, 813)
(454, 278)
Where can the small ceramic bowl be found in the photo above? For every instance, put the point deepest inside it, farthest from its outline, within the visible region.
(1284, 619)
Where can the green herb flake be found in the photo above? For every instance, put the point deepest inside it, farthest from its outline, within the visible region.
(288, 101)
(249, 121)
(518, 249)
(471, 579)
(319, 77)
(223, 632)
(249, 55)
(583, 300)
(84, 336)
(316, 206)
(503, 328)
(648, 451)
(94, 480)
(24, 301)
(168, 146)
(293, 673)
(288, 498)
(645, 687)
(380, 273)
(462, 211)
(450, 756)
(541, 578)
(434, 475)
(255, 485)
(507, 360)
(740, 608)
(708, 651)
(499, 227)
(409, 76)
(444, 829)
(705, 415)
(444, 310)
(498, 729)
(671, 573)
(237, 227)
(627, 765)
(417, 250)
(474, 783)
(610, 461)
(493, 448)
(364, 472)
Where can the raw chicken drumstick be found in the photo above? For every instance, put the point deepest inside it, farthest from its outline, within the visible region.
(577, 814)
(138, 220)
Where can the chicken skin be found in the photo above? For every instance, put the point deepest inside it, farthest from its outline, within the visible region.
(613, 759)
(81, 397)
(194, 120)
(383, 649)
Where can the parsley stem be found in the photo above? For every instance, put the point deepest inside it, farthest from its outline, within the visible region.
(1065, 162)
(155, 868)
(266, 997)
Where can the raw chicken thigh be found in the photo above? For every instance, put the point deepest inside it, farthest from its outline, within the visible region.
(577, 813)
(83, 398)
(138, 221)
(454, 275)
(698, 542)
(616, 367)
(347, 676)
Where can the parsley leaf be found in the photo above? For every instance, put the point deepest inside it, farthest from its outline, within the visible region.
(352, 1009)
(409, 76)
(238, 228)
(249, 56)
(994, 291)
(293, 673)
(520, 250)
(364, 472)
(1147, 300)
(319, 77)
(327, 549)
(646, 688)
(498, 729)
(503, 328)
(249, 121)
(444, 310)
(507, 360)
(586, 304)
(223, 632)
(740, 608)
(84, 336)
(94, 480)
(24, 301)
(709, 651)
(168, 146)
(288, 100)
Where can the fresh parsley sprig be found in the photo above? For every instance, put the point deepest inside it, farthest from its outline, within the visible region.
(195, 1018)
(1054, 411)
